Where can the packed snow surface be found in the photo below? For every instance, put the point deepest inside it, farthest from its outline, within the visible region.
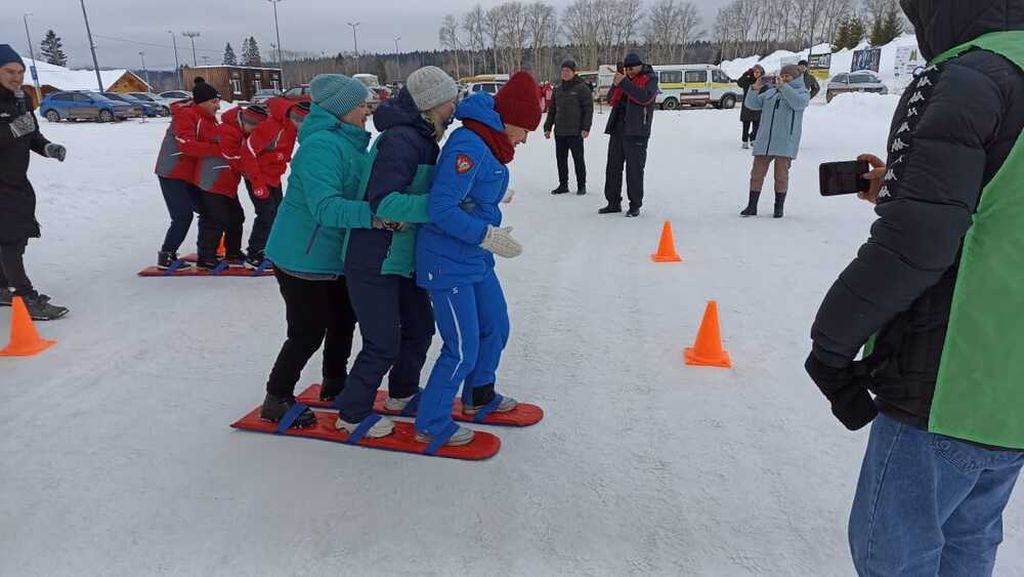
(117, 459)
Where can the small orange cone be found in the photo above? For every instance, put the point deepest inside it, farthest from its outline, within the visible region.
(708, 351)
(25, 341)
(221, 249)
(667, 246)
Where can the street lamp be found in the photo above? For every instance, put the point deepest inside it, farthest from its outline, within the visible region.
(177, 67)
(192, 36)
(277, 29)
(355, 41)
(149, 87)
(397, 38)
(92, 46)
(32, 54)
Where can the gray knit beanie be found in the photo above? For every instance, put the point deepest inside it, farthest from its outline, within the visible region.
(430, 86)
(337, 93)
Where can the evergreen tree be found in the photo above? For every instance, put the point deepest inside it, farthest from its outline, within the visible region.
(885, 29)
(229, 56)
(849, 34)
(251, 53)
(53, 49)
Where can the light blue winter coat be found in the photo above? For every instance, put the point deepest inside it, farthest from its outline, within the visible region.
(782, 118)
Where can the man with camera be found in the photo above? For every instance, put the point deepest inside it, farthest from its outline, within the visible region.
(19, 135)
(634, 90)
(570, 115)
(935, 298)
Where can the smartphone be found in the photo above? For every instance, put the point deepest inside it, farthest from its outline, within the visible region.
(838, 178)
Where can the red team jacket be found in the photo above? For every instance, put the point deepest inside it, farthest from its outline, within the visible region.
(268, 149)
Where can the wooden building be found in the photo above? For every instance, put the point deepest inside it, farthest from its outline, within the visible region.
(235, 82)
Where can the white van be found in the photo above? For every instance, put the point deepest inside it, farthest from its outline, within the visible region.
(696, 85)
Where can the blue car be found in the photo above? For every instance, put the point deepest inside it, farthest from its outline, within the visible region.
(144, 107)
(83, 105)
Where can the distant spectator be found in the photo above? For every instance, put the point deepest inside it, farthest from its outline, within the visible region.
(809, 80)
(750, 118)
(570, 115)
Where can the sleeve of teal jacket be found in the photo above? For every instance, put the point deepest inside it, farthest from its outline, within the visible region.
(323, 183)
(796, 99)
(755, 99)
(456, 172)
(393, 171)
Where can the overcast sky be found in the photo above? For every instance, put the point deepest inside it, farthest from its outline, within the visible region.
(122, 28)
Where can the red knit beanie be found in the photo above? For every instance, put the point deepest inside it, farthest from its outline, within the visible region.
(518, 102)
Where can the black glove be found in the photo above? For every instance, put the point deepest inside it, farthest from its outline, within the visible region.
(847, 391)
(56, 151)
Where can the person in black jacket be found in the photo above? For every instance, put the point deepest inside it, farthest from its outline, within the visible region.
(930, 503)
(19, 136)
(632, 97)
(809, 80)
(571, 114)
(750, 118)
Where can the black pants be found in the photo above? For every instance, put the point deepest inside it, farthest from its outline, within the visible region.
(630, 151)
(563, 146)
(314, 310)
(182, 199)
(12, 269)
(222, 215)
(266, 212)
(396, 323)
(750, 130)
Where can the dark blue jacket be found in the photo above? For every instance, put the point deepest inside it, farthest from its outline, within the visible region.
(404, 159)
(468, 186)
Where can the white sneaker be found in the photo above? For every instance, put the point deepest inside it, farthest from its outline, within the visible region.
(381, 428)
(746, 145)
(461, 437)
(506, 405)
(398, 405)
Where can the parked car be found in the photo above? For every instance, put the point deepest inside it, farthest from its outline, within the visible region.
(298, 93)
(175, 95)
(137, 109)
(83, 105)
(144, 107)
(264, 94)
(696, 85)
(860, 81)
(491, 87)
(156, 98)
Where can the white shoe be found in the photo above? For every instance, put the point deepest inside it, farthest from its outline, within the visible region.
(398, 405)
(461, 437)
(506, 405)
(746, 145)
(381, 428)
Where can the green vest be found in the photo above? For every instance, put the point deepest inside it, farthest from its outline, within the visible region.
(979, 393)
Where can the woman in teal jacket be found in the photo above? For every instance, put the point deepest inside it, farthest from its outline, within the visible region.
(307, 241)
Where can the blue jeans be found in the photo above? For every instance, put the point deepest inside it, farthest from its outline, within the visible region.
(473, 322)
(182, 200)
(929, 505)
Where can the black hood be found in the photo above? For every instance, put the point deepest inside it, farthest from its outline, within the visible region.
(401, 110)
(943, 24)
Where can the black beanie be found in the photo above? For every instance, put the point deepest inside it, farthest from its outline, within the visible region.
(203, 92)
(570, 64)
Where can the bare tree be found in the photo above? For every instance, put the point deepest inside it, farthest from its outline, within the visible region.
(449, 37)
(493, 30)
(473, 24)
(580, 23)
(514, 33)
(542, 25)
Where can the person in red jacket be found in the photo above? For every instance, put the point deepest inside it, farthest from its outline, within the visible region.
(218, 181)
(264, 160)
(175, 169)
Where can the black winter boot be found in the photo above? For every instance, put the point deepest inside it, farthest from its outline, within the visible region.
(6, 297)
(562, 189)
(751, 209)
(274, 409)
(610, 209)
(331, 388)
(582, 190)
(40, 309)
(780, 200)
(165, 260)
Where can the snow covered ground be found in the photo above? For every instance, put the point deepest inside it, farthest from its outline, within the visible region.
(116, 458)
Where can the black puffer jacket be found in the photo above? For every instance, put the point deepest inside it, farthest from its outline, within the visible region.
(952, 131)
(746, 82)
(572, 109)
(17, 199)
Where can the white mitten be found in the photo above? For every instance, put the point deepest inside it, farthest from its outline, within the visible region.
(509, 195)
(500, 242)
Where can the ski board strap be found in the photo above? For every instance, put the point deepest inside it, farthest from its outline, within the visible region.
(357, 435)
(262, 268)
(487, 409)
(175, 267)
(289, 418)
(411, 407)
(221, 267)
(441, 440)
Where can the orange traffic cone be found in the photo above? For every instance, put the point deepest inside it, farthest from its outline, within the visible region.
(667, 246)
(25, 341)
(222, 251)
(708, 351)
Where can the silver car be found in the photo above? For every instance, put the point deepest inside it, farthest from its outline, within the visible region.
(860, 81)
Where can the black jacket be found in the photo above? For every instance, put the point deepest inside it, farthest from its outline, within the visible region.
(572, 109)
(952, 131)
(745, 82)
(17, 199)
(812, 84)
(635, 111)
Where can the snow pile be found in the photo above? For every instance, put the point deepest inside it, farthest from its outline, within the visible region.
(67, 79)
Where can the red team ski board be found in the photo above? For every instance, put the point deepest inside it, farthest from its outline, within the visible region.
(186, 269)
(403, 439)
(523, 415)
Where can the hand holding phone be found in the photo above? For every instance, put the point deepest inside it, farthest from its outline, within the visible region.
(838, 178)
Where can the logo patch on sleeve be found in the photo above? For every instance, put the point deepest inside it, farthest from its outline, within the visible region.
(463, 164)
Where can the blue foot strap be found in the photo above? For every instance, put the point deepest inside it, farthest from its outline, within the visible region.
(364, 427)
(175, 267)
(289, 418)
(262, 268)
(412, 406)
(440, 440)
(489, 408)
